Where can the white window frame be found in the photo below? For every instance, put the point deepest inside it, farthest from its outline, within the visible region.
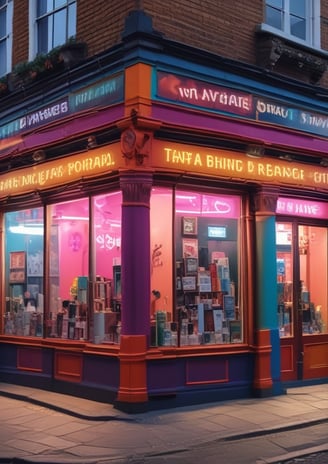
(312, 25)
(33, 29)
(9, 35)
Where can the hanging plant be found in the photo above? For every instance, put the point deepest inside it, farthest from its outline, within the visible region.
(72, 52)
(63, 56)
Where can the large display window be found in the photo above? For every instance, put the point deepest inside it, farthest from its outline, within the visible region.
(63, 281)
(302, 275)
(67, 308)
(24, 275)
(206, 305)
(207, 235)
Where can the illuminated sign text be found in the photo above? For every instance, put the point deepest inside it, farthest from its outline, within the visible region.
(91, 163)
(224, 163)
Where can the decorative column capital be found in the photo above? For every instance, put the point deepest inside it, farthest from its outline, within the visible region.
(136, 188)
(265, 201)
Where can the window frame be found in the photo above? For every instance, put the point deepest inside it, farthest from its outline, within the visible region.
(33, 25)
(8, 38)
(313, 39)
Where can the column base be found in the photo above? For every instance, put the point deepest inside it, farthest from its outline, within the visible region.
(133, 370)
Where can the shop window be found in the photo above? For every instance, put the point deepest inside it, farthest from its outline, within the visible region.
(55, 22)
(67, 303)
(6, 15)
(303, 297)
(83, 286)
(313, 291)
(162, 298)
(106, 290)
(24, 282)
(285, 279)
(206, 271)
(297, 20)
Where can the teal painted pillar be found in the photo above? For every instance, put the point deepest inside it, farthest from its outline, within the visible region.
(267, 342)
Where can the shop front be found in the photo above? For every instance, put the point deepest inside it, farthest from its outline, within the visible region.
(184, 260)
(302, 293)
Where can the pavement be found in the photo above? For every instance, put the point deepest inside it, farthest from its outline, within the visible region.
(38, 426)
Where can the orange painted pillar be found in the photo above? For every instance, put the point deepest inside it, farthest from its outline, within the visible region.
(132, 395)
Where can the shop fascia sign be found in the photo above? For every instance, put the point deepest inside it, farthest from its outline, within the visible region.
(107, 91)
(303, 208)
(233, 165)
(192, 92)
(63, 171)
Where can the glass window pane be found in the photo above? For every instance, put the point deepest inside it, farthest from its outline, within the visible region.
(3, 58)
(275, 3)
(3, 28)
(207, 268)
(44, 35)
(274, 18)
(3, 3)
(66, 315)
(162, 304)
(71, 21)
(313, 249)
(298, 27)
(24, 248)
(59, 3)
(284, 278)
(297, 8)
(44, 6)
(59, 28)
(106, 275)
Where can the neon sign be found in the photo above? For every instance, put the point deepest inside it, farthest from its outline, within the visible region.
(304, 208)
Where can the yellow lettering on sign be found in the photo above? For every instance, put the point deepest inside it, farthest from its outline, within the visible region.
(54, 173)
(233, 164)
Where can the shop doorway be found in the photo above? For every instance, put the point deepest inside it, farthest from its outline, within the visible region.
(302, 300)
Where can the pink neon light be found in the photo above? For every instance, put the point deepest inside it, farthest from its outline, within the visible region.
(207, 205)
(305, 208)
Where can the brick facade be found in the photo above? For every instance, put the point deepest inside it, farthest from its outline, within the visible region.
(220, 27)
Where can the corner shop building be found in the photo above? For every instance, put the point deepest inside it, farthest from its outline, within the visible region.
(165, 233)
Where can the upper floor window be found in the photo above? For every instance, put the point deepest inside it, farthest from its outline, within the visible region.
(55, 22)
(6, 15)
(298, 20)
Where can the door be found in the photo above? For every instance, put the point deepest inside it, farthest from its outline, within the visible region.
(302, 285)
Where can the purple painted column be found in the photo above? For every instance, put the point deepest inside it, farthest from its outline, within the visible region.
(135, 272)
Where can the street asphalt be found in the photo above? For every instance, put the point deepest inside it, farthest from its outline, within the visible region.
(39, 426)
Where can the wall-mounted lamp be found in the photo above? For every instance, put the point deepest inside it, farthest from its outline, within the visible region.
(255, 151)
(92, 142)
(38, 155)
(286, 157)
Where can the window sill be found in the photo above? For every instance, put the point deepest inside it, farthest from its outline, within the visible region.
(273, 49)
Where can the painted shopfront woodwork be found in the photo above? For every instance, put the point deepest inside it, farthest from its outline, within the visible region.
(133, 244)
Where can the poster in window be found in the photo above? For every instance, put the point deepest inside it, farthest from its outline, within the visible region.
(17, 267)
(189, 226)
(190, 248)
(191, 266)
(189, 283)
(17, 260)
(229, 307)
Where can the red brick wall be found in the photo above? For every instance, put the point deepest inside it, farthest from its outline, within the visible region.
(223, 27)
(20, 32)
(220, 26)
